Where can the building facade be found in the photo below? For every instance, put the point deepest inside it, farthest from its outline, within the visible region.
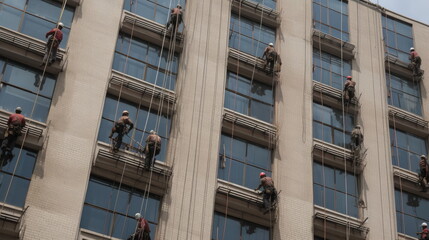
(222, 120)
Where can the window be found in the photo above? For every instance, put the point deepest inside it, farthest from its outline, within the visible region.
(110, 209)
(159, 123)
(248, 97)
(19, 87)
(404, 94)
(329, 69)
(331, 17)
(237, 229)
(398, 38)
(328, 125)
(335, 189)
(20, 181)
(143, 60)
(267, 3)
(241, 161)
(250, 37)
(406, 149)
(35, 17)
(411, 211)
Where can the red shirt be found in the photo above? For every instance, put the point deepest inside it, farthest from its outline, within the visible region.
(143, 224)
(15, 119)
(425, 233)
(413, 54)
(57, 33)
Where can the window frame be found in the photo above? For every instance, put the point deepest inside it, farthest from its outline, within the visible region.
(321, 54)
(402, 214)
(385, 29)
(344, 35)
(395, 148)
(400, 92)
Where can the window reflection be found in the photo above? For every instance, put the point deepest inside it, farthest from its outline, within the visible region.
(329, 69)
(398, 37)
(406, 149)
(404, 94)
(411, 211)
(331, 17)
(230, 228)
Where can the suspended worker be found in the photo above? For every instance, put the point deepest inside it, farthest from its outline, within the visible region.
(152, 148)
(15, 124)
(269, 192)
(122, 126)
(357, 137)
(271, 57)
(416, 61)
(424, 234)
(424, 172)
(143, 229)
(349, 90)
(55, 38)
(175, 18)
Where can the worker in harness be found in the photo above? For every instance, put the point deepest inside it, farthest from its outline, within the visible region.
(143, 229)
(424, 234)
(357, 138)
(152, 148)
(175, 18)
(271, 57)
(56, 36)
(424, 172)
(416, 61)
(349, 90)
(269, 192)
(121, 127)
(15, 124)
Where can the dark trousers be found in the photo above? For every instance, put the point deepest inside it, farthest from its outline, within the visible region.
(9, 142)
(175, 20)
(416, 66)
(270, 64)
(423, 174)
(151, 150)
(139, 235)
(349, 94)
(120, 130)
(52, 47)
(270, 195)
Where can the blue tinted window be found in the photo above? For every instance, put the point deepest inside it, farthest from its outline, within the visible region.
(329, 69)
(141, 118)
(35, 17)
(404, 94)
(23, 86)
(329, 125)
(406, 149)
(241, 162)
(20, 182)
(110, 209)
(335, 189)
(249, 97)
(230, 228)
(141, 60)
(267, 3)
(398, 37)
(411, 211)
(331, 17)
(248, 36)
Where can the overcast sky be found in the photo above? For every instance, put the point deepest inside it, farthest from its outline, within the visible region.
(415, 9)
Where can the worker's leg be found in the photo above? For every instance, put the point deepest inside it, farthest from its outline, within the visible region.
(53, 55)
(266, 200)
(119, 140)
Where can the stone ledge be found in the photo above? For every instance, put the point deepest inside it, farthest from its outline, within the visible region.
(333, 45)
(254, 11)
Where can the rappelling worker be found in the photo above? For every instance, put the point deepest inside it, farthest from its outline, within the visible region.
(269, 191)
(55, 38)
(175, 18)
(15, 124)
(122, 126)
(416, 61)
(271, 57)
(349, 90)
(357, 137)
(152, 148)
(424, 234)
(424, 172)
(143, 229)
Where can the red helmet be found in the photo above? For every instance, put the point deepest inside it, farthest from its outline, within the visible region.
(349, 77)
(261, 174)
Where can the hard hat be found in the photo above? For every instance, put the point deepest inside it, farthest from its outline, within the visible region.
(271, 44)
(261, 174)
(424, 224)
(137, 216)
(178, 5)
(423, 156)
(358, 126)
(18, 110)
(152, 132)
(411, 49)
(60, 24)
(125, 112)
(349, 77)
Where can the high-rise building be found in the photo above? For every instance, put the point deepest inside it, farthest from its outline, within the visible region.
(221, 116)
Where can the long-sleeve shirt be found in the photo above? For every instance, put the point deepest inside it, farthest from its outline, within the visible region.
(413, 55)
(268, 51)
(16, 119)
(143, 224)
(266, 182)
(423, 163)
(56, 33)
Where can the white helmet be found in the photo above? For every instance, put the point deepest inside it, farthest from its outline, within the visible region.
(357, 126)
(137, 216)
(178, 5)
(125, 112)
(60, 24)
(271, 44)
(18, 110)
(152, 132)
(423, 156)
(424, 224)
(411, 49)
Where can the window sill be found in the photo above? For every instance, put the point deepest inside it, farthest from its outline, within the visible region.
(332, 96)
(249, 128)
(254, 10)
(407, 181)
(72, 3)
(28, 50)
(146, 91)
(86, 234)
(408, 121)
(402, 236)
(333, 45)
(149, 30)
(11, 220)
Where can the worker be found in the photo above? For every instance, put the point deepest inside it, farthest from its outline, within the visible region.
(349, 90)
(15, 124)
(269, 192)
(143, 229)
(424, 172)
(122, 126)
(152, 148)
(357, 137)
(175, 18)
(271, 57)
(416, 61)
(424, 234)
(56, 36)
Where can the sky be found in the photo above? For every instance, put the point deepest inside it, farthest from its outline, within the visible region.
(415, 9)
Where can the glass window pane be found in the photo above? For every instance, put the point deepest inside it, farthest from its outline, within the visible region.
(10, 17)
(18, 189)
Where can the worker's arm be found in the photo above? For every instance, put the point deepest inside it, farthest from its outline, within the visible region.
(9, 121)
(259, 187)
(131, 125)
(23, 122)
(50, 33)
